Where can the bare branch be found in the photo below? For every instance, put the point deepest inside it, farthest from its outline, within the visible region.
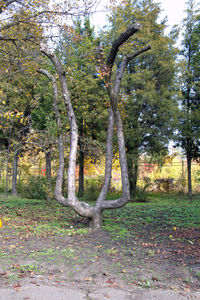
(119, 41)
(124, 64)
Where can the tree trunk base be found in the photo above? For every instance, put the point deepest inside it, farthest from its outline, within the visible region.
(95, 222)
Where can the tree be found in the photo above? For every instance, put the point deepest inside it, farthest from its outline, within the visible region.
(22, 25)
(78, 49)
(147, 96)
(189, 117)
(93, 213)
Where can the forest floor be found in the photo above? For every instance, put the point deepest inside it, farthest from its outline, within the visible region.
(144, 247)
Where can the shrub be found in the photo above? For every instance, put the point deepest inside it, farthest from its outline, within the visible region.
(141, 195)
(92, 187)
(35, 188)
(164, 184)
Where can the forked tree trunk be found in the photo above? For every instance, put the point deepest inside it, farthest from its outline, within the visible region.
(93, 213)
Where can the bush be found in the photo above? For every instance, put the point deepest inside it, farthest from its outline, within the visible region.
(36, 188)
(141, 195)
(92, 188)
(165, 184)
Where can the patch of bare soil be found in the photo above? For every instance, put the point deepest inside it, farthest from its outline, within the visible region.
(168, 260)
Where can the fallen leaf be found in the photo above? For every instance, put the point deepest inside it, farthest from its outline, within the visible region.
(114, 284)
(88, 278)
(186, 289)
(3, 273)
(18, 289)
(154, 278)
(16, 285)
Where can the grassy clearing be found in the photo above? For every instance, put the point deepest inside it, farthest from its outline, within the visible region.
(35, 217)
(51, 239)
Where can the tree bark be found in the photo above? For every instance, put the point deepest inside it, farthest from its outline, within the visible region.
(189, 174)
(6, 187)
(133, 173)
(81, 162)
(95, 221)
(14, 173)
(48, 174)
(81, 174)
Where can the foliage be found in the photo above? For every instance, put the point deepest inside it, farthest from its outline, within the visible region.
(189, 116)
(141, 195)
(35, 188)
(93, 187)
(165, 184)
(78, 49)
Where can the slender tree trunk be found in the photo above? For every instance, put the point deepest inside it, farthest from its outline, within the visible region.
(81, 162)
(132, 161)
(189, 173)
(48, 174)
(81, 174)
(133, 176)
(6, 187)
(14, 174)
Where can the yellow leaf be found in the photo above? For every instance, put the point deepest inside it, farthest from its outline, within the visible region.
(88, 278)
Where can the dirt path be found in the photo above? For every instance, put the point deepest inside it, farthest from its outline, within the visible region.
(92, 267)
(29, 292)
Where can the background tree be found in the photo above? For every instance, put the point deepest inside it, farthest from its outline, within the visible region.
(189, 117)
(78, 50)
(147, 96)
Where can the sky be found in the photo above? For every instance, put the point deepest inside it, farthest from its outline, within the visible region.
(173, 9)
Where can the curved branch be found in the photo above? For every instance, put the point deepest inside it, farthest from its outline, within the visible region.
(124, 64)
(59, 179)
(119, 41)
(81, 208)
(108, 164)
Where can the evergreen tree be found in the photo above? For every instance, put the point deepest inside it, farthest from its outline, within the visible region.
(78, 47)
(147, 96)
(189, 116)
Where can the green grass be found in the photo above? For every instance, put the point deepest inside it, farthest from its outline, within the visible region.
(32, 216)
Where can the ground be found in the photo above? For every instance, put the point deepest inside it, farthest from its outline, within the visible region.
(147, 247)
